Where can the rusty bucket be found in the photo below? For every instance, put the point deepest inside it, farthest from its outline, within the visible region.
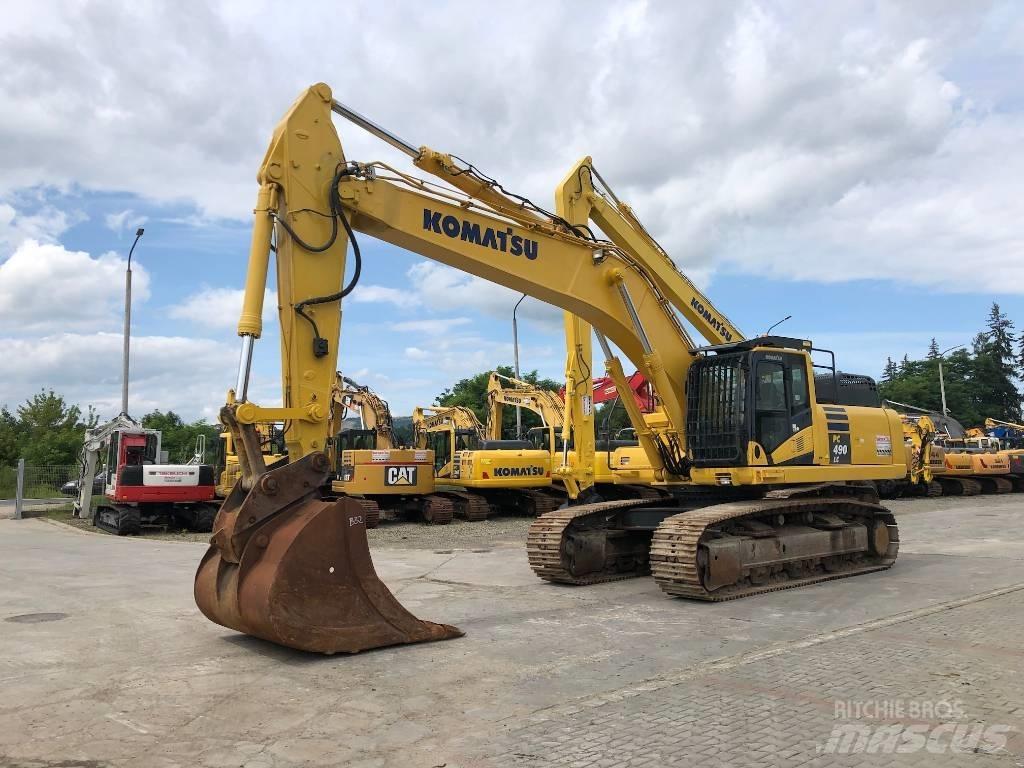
(287, 566)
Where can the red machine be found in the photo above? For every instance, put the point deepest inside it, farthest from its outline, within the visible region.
(604, 391)
(139, 491)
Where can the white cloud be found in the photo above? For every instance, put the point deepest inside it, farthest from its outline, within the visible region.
(791, 140)
(45, 287)
(190, 376)
(380, 293)
(430, 327)
(219, 308)
(127, 219)
(44, 226)
(439, 286)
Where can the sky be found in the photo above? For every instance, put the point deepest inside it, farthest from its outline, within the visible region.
(855, 165)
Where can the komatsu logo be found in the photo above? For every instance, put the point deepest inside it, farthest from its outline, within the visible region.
(519, 471)
(717, 324)
(497, 239)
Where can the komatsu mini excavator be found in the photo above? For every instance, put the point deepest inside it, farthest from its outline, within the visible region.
(769, 476)
(500, 476)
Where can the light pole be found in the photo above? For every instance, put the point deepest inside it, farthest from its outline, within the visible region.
(942, 382)
(515, 362)
(127, 323)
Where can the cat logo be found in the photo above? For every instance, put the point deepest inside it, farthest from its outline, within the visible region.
(400, 475)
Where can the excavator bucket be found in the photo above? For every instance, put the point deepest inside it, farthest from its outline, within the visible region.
(290, 567)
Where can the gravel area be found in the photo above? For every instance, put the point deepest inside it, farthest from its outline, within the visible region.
(460, 535)
(457, 535)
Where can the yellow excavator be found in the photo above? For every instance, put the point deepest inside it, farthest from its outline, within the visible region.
(372, 468)
(503, 476)
(270, 444)
(509, 391)
(620, 468)
(769, 470)
(1011, 444)
(925, 459)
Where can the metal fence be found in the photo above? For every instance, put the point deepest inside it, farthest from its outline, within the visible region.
(27, 482)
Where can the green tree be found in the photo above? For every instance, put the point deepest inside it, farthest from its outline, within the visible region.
(891, 370)
(50, 431)
(178, 438)
(9, 438)
(933, 349)
(995, 390)
(471, 392)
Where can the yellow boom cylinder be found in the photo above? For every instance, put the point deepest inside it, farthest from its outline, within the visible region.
(250, 322)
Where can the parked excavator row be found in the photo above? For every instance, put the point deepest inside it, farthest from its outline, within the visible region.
(506, 476)
(620, 468)
(767, 477)
(945, 459)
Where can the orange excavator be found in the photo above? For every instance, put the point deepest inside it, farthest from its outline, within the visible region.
(766, 470)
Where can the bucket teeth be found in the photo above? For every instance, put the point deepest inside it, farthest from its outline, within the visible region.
(304, 579)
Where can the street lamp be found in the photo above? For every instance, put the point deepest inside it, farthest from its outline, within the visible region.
(515, 361)
(942, 382)
(127, 323)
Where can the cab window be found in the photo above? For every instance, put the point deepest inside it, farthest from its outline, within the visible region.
(801, 397)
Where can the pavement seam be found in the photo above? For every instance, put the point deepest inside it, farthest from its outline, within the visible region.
(560, 711)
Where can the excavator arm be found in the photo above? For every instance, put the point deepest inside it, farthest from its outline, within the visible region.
(545, 403)
(373, 411)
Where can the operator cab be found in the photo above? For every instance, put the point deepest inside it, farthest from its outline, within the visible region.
(357, 440)
(759, 391)
(127, 453)
(445, 443)
(545, 438)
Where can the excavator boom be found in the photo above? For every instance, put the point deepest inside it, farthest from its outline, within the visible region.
(286, 562)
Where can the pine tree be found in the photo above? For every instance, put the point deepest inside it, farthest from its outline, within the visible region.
(905, 364)
(994, 389)
(1001, 336)
(890, 372)
(933, 349)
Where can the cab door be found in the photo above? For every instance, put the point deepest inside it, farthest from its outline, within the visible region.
(782, 405)
(440, 441)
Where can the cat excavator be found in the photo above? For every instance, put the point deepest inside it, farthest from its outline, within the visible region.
(769, 477)
(371, 467)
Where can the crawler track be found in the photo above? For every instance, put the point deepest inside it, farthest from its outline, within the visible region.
(470, 507)
(371, 512)
(437, 510)
(547, 555)
(539, 503)
(960, 486)
(119, 520)
(679, 565)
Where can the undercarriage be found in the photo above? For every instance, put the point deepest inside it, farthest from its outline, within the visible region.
(719, 545)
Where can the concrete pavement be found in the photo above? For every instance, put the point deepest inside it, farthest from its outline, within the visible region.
(124, 671)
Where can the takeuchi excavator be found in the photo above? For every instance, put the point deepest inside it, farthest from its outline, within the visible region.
(768, 472)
